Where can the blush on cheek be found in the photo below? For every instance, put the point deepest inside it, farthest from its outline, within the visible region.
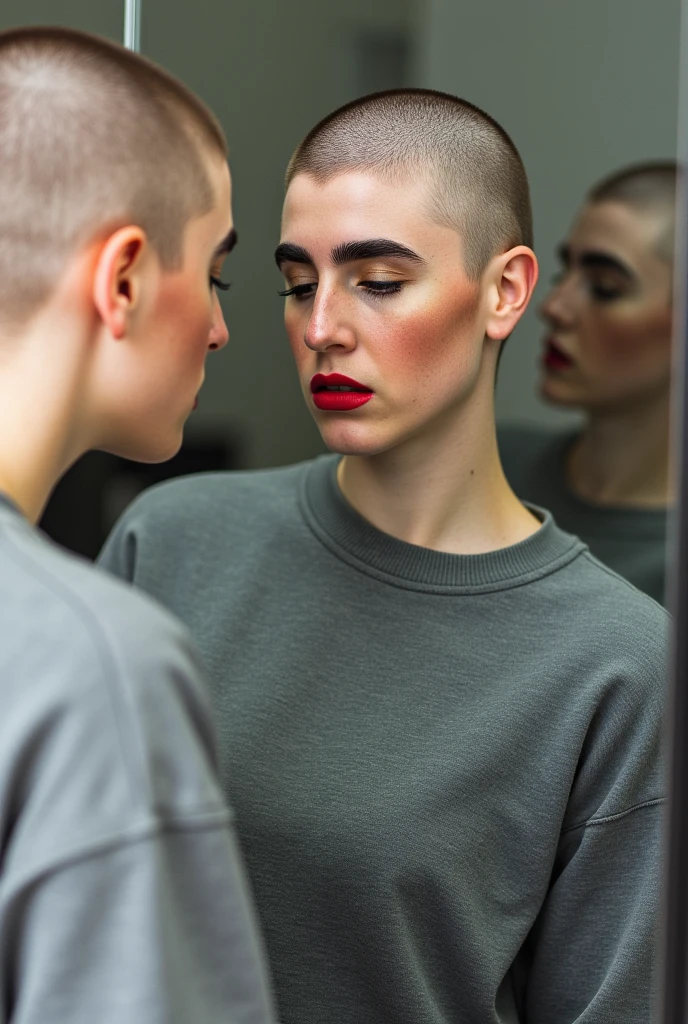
(440, 329)
(621, 338)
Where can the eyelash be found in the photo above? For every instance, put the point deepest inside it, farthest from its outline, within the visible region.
(215, 282)
(601, 294)
(598, 292)
(377, 288)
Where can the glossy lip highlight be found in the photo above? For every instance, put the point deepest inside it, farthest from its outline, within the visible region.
(338, 401)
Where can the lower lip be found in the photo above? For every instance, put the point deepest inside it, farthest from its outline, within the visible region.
(195, 405)
(340, 401)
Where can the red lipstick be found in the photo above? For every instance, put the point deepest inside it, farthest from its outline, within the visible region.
(333, 392)
(554, 358)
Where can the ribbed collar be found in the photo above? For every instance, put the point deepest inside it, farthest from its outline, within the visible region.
(356, 541)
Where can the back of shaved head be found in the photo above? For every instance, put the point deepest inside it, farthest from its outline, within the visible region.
(649, 188)
(476, 180)
(92, 138)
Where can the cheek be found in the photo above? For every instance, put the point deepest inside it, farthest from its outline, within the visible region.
(435, 339)
(624, 337)
(187, 315)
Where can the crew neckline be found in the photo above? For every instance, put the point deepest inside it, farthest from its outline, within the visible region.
(9, 503)
(614, 519)
(355, 540)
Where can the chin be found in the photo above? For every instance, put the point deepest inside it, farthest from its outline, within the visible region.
(149, 450)
(557, 395)
(354, 439)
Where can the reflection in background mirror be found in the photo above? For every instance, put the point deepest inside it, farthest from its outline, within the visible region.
(583, 89)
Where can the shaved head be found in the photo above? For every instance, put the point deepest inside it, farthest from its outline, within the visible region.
(476, 180)
(648, 188)
(93, 137)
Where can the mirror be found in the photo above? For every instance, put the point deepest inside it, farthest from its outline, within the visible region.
(566, 83)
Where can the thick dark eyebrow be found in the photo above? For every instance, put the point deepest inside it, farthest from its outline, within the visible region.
(227, 243)
(596, 260)
(373, 248)
(349, 252)
(288, 253)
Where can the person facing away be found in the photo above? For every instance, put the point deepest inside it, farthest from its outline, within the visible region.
(122, 894)
(439, 714)
(608, 353)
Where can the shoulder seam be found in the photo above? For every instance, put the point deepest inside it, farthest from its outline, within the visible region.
(614, 575)
(211, 820)
(655, 802)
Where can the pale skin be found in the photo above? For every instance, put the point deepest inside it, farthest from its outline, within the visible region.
(615, 325)
(115, 358)
(420, 458)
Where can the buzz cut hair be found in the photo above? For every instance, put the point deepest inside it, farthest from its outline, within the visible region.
(92, 137)
(477, 182)
(647, 188)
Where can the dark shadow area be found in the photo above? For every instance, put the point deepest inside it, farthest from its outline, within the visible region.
(92, 495)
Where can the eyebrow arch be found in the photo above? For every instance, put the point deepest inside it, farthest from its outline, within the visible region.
(372, 248)
(348, 252)
(227, 243)
(594, 259)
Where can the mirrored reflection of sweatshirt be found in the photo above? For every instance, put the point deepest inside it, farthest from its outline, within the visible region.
(631, 541)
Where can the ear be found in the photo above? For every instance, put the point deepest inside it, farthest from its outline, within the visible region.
(513, 276)
(117, 281)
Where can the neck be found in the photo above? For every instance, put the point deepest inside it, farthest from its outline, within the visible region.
(622, 457)
(446, 491)
(40, 389)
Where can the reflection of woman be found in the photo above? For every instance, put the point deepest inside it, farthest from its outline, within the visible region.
(441, 749)
(607, 352)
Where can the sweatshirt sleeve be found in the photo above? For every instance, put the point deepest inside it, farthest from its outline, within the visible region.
(592, 952)
(122, 892)
(157, 929)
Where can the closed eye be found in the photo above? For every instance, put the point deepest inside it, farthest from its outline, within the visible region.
(380, 288)
(299, 291)
(377, 288)
(217, 283)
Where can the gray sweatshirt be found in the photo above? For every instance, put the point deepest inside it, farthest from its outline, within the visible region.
(122, 895)
(631, 541)
(445, 769)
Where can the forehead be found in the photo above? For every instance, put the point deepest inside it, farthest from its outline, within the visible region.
(213, 226)
(360, 205)
(620, 230)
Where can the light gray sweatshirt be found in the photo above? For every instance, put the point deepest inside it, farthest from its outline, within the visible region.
(122, 894)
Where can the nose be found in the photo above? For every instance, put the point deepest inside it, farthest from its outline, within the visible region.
(327, 327)
(558, 307)
(219, 335)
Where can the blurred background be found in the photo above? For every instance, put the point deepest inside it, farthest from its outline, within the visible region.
(582, 89)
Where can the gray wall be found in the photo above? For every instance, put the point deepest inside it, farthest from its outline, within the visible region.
(103, 16)
(583, 88)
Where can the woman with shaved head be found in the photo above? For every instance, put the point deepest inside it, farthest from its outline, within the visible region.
(440, 716)
(608, 352)
(123, 899)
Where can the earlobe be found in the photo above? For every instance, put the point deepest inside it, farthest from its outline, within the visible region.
(117, 278)
(515, 277)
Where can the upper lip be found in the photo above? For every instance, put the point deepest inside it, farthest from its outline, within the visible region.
(323, 380)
